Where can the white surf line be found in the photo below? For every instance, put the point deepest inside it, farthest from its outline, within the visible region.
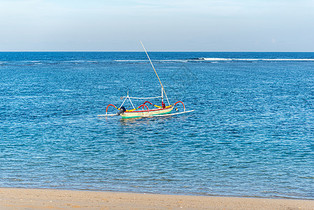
(256, 59)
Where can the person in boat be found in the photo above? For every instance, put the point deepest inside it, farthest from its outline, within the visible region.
(122, 110)
(163, 105)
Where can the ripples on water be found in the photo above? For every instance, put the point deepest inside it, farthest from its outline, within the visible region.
(251, 133)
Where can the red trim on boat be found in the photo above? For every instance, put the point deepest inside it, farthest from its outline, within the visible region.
(147, 102)
(179, 102)
(143, 106)
(109, 106)
(149, 110)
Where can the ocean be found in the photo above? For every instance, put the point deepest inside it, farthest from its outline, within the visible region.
(251, 133)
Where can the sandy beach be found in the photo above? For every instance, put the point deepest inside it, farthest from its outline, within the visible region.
(13, 198)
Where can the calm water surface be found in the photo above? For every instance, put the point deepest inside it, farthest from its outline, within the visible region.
(251, 134)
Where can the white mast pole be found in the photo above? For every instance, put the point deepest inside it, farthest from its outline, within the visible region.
(162, 87)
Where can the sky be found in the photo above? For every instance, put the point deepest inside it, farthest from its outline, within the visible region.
(163, 25)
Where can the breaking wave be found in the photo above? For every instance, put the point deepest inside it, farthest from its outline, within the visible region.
(176, 60)
(254, 59)
(215, 60)
(134, 61)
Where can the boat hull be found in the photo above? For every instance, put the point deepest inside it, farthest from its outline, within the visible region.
(146, 113)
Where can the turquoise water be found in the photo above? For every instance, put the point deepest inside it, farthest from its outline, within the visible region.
(251, 133)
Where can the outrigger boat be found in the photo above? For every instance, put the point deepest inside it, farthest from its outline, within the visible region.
(143, 110)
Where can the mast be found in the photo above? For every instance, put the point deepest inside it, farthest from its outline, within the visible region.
(162, 87)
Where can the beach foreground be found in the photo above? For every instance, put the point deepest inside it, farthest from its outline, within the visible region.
(13, 198)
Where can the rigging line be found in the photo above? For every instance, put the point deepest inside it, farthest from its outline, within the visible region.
(155, 72)
(131, 102)
(144, 97)
(122, 103)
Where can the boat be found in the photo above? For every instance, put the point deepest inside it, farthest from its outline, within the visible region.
(143, 110)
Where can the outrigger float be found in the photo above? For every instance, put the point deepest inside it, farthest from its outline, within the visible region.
(143, 110)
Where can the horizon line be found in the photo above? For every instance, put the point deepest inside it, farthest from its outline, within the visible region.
(153, 51)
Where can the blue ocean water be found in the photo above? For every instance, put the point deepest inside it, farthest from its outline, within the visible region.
(251, 133)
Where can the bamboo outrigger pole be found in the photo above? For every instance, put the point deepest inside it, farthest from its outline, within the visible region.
(162, 87)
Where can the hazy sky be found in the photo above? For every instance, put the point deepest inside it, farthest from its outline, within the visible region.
(163, 25)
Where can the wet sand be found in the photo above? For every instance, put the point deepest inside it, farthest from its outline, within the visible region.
(15, 198)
